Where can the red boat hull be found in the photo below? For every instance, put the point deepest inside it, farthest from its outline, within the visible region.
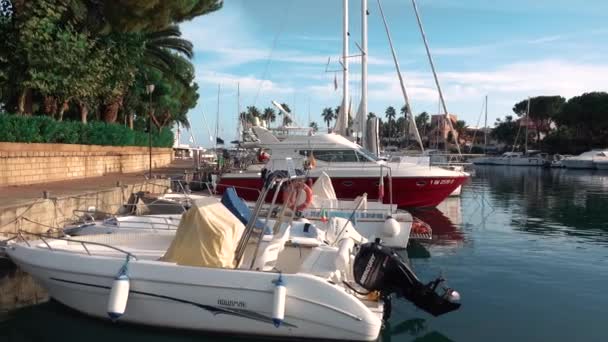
(406, 192)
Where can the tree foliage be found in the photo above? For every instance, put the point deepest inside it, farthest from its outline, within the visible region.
(93, 59)
(328, 115)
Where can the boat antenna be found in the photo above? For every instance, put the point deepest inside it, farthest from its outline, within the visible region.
(430, 57)
(401, 83)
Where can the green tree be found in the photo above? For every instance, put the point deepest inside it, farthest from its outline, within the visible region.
(370, 115)
(152, 15)
(269, 115)
(423, 122)
(327, 115)
(586, 116)
(543, 110)
(251, 113)
(390, 114)
(460, 127)
(286, 119)
(505, 131)
(314, 126)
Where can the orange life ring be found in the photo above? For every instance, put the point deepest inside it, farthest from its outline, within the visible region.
(291, 200)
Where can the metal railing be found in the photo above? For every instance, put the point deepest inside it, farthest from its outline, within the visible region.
(42, 237)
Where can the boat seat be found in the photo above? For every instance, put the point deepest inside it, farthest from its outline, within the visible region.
(266, 258)
(328, 262)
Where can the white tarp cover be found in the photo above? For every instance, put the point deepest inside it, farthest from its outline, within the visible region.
(207, 236)
(322, 191)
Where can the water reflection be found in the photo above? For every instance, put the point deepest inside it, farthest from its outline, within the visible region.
(525, 247)
(445, 220)
(551, 201)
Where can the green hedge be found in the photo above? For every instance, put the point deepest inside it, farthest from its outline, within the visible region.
(43, 129)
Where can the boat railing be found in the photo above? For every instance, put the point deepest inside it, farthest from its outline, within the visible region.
(163, 223)
(46, 238)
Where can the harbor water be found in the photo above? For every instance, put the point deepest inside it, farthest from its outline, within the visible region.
(527, 248)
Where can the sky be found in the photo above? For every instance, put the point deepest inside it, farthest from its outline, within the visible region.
(507, 50)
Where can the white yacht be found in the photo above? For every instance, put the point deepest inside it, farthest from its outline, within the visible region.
(585, 160)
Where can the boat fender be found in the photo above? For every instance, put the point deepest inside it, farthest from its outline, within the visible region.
(278, 303)
(391, 227)
(119, 293)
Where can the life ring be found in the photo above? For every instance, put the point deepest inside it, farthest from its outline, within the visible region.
(291, 200)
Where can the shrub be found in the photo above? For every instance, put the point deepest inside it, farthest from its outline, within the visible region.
(43, 129)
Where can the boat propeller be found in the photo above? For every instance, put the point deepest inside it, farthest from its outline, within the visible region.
(380, 268)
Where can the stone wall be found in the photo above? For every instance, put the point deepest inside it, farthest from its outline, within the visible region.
(41, 215)
(22, 164)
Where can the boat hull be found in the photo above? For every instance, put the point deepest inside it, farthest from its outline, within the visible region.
(407, 192)
(194, 298)
(601, 165)
(578, 164)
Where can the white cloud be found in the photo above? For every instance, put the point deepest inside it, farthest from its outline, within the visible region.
(247, 84)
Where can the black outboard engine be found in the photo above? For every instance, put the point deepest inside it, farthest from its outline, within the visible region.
(379, 268)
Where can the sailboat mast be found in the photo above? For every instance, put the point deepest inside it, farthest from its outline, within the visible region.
(363, 109)
(345, 80)
(401, 82)
(238, 112)
(217, 116)
(527, 125)
(485, 129)
(430, 57)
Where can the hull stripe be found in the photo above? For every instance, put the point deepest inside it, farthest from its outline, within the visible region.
(216, 310)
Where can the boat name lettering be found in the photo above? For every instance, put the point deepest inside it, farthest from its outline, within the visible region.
(232, 303)
(442, 181)
(368, 268)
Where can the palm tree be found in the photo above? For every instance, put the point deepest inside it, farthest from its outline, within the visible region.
(406, 121)
(327, 115)
(370, 115)
(252, 113)
(269, 115)
(164, 51)
(314, 126)
(160, 47)
(390, 114)
(461, 129)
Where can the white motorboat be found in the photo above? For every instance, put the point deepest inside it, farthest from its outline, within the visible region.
(130, 223)
(213, 275)
(372, 219)
(601, 163)
(585, 160)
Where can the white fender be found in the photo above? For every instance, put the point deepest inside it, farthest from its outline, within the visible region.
(119, 295)
(391, 227)
(278, 303)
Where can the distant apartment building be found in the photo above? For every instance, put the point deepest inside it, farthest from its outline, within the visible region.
(440, 131)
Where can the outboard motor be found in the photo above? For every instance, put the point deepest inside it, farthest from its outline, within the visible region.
(379, 268)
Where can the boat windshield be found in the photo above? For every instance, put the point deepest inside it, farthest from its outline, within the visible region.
(367, 154)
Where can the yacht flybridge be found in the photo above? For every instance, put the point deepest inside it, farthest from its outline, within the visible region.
(353, 171)
(218, 274)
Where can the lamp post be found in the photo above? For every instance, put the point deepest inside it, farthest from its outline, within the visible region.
(150, 90)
